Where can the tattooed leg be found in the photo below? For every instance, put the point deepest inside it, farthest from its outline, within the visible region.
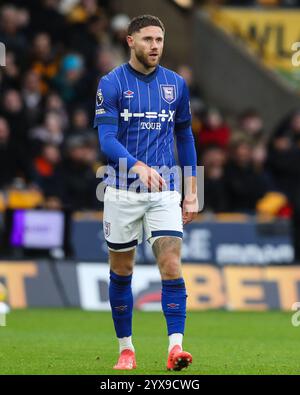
(167, 251)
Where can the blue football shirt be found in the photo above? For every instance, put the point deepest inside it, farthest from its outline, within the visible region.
(146, 109)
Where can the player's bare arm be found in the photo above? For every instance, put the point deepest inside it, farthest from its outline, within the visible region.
(190, 205)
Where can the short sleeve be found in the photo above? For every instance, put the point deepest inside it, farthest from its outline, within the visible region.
(106, 109)
(183, 112)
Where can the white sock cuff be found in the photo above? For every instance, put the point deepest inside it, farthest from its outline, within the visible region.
(175, 339)
(125, 343)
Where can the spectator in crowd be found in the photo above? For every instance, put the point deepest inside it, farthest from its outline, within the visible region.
(105, 60)
(87, 38)
(215, 194)
(11, 73)
(70, 82)
(80, 122)
(13, 161)
(79, 178)
(55, 104)
(259, 156)
(119, 25)
(47, 172)
(32, 97)
(51, 131)
(45, 17)
(245, 185)
(250, 124)
(186, 73)
(44, 61)
(14, 112)
(283, 159)
(81, 12)
(214, 130)
(10, 31)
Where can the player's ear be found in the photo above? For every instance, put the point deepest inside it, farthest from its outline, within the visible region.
(129, 41)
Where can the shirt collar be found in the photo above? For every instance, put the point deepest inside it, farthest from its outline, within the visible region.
(141, 76)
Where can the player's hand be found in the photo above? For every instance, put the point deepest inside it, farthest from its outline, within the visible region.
(149, 177)
(190, 208)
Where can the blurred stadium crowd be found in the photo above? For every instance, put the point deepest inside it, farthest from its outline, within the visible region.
(56, 52)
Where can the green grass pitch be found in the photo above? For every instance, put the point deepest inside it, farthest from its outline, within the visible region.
(71, 341)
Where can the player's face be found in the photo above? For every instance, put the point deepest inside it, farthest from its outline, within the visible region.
(147, 45)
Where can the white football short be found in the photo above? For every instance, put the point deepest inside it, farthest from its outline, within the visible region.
(127, 214)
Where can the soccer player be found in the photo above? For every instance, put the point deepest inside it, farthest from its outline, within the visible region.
(140, 105)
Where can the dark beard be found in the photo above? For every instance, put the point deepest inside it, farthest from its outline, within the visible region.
(143, 60)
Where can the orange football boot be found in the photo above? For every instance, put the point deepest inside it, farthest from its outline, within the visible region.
(126, 361)
(178, 359)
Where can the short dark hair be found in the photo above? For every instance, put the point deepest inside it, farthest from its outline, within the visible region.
(141, 21)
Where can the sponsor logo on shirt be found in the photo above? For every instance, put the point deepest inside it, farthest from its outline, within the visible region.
(128, 94)
(100, 111)
(163, 116)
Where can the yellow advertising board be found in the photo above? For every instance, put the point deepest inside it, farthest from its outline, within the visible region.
(270, 34)
(31, 284)
(242, 288)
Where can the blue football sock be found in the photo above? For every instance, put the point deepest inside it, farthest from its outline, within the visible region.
(173, 301)
(121, 302)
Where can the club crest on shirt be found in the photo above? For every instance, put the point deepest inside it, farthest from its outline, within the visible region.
(106, 228)
(99, 97)
(168, 93)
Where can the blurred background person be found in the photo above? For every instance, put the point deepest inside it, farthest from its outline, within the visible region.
(215, 192)
(47, 172)
(44, 60)
(50, 131)
(13, 111)
(245, 184)
(214, 129)
(13, 161)
(78, 173)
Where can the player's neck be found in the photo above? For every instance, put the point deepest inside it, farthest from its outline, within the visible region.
(138, 66)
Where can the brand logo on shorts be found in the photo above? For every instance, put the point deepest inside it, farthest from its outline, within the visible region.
(106, 228)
